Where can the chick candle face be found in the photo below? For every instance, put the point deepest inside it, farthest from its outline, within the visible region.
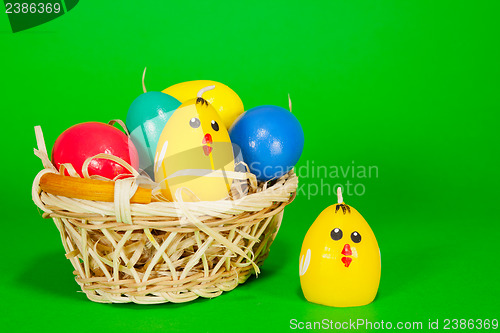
(340, 259)
(193, 144)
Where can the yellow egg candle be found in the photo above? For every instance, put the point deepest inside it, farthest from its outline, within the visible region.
(340, 258)
(194, 152)
(224, 100)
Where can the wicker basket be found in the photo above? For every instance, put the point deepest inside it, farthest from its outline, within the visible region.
(164, 251)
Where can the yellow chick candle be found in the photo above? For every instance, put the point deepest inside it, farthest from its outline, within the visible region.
(340, 258)
(194, 152)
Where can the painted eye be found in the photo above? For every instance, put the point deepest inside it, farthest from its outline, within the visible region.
(356, 237)
(194, 122)
(336, 234)
(215, 126)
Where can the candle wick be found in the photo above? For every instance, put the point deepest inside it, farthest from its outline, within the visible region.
(339, 195)
(204, 90)
(143, 76)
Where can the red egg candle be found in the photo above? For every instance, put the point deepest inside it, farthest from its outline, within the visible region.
(85, 140)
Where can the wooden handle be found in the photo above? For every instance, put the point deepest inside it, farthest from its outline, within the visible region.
(88, 189)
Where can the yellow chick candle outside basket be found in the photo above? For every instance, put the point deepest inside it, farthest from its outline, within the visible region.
(340, 258)
(194, 152)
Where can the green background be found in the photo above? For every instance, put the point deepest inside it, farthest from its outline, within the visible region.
(408, 86)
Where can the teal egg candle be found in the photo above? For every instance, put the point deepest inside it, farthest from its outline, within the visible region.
(146, 118)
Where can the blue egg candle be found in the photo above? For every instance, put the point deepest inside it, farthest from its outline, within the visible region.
(271, 140)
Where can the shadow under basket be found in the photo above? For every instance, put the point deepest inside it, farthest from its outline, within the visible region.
(164, 251)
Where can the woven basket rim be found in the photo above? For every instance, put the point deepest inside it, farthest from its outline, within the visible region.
(232, 211)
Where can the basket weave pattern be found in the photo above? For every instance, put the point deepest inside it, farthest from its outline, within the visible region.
(164, 251)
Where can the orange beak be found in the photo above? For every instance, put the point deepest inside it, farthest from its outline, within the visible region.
(347, 252)
(207, 140)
